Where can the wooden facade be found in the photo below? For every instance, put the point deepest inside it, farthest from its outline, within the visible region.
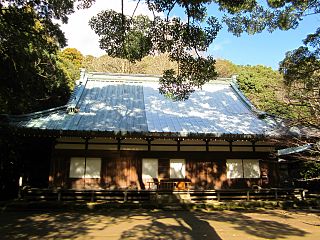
(121, 163)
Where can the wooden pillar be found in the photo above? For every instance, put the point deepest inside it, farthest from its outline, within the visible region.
(119, 143)
(179, 140)
(149, 140)
(85, 161)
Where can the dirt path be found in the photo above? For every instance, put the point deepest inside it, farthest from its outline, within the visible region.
(159, 224)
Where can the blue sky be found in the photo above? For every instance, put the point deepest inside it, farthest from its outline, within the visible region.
(265, 48)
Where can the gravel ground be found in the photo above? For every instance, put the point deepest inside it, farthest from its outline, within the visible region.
(159, 224)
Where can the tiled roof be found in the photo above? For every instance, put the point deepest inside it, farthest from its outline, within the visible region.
(127, 104)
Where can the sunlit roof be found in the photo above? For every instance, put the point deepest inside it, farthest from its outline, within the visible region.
(132, 104)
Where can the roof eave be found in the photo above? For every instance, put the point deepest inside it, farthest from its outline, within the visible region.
(134, 134)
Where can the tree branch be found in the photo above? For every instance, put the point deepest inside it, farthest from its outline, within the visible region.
(170, 9)
(123, 27)
(135, 9)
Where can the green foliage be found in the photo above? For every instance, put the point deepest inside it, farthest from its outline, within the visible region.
(30, 79)
(32, 76)
(121, 36)
(193, 73)
(193, 8)
(309, 169)
(148, 65)
(137, 37)
(264, 87)
(72, 55)
(225, 68)
(267, 91)
(254, 16)
(70, 60)
(301, 70)
(48, 9)
(249, 16)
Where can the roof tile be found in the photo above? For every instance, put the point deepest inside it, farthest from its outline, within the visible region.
(133, 104)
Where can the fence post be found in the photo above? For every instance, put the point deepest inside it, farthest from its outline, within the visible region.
(92, 196)
(218, 196)
(303, 194)
(59, 195)
(20, 188)
(125, 196)
(157, 200)
(276, 194)
(248, 195)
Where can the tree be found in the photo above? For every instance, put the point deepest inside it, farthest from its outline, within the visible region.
(129, 39)
(133, 38)
(70, 60)
(309, 169)
(300, 67)
(155, 64)
(31, 76)
(301, 70)
(265, 89)
(48, 9)
(73, 55)
(148, 65)
(225, 68)
(252, 16)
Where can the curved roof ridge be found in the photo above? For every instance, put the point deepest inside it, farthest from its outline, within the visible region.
(235, 87)
(33, 114)
(75, 97)
(108, 76)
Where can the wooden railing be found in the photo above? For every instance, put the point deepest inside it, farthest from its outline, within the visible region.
(34, 194)
(248, 194)
(85, 195)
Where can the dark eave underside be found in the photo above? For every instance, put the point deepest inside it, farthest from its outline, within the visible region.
(29, 132)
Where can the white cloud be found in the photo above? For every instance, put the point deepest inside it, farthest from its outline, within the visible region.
(218, 47)
(82, 37)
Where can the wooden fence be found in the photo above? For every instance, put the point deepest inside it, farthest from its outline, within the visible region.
(36, 194)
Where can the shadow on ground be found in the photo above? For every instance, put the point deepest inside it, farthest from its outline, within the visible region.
(138, 224)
